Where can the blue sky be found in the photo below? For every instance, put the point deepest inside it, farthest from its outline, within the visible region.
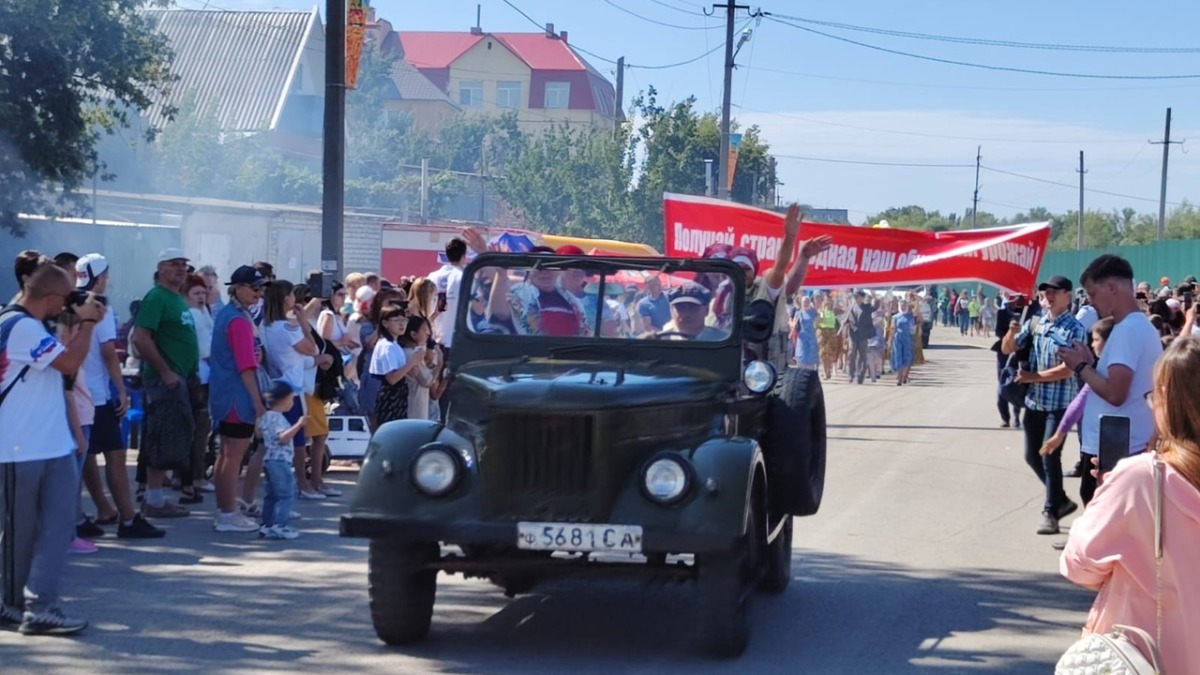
(816, 97)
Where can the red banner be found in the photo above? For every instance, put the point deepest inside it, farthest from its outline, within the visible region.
(862, 257)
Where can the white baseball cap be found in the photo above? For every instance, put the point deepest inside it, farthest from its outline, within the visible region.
(172, 254)
(88, 269)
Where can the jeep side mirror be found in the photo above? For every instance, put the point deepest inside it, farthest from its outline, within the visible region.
(759, 322)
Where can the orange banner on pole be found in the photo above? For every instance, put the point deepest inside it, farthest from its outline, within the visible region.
(356, 21)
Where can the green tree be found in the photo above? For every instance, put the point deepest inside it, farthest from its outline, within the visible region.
(70, 71)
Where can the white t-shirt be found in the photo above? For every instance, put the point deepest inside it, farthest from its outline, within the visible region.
(93, 364)
(204, 323)
(444, 330)
(387, 357)
(1087, 316)
(1134, 344)
(283, 361)
(33, 418)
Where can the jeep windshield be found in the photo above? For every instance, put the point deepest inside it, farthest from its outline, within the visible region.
(533, 297)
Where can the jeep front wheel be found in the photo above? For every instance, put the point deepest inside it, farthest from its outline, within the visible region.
(779, 561)
(401, 584)
(726, 584)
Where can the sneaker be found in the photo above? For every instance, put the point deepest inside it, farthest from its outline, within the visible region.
(88, 529)
(1058, 545)
(1004, 425)
(1049, 524)
(1075, 471)
(305, 494)
(194, 498)
(271, 532)
(1017, 424)
(329, 491)
(140, 528)
(81, 546)
(205, 486)
(286, 532)
(252, 510)
(233, 522)
(169, 509)
(1067, 509)
(10, 617)
(50, 622)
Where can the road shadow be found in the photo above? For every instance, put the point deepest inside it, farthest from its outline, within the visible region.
(840, 615)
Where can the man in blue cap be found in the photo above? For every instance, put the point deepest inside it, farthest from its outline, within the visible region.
(689, 310)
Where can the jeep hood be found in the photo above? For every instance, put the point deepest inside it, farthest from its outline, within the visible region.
(559, 384)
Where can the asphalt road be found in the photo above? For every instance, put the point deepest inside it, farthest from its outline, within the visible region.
(923, 558)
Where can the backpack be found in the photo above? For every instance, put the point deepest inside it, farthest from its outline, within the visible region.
(6, 327)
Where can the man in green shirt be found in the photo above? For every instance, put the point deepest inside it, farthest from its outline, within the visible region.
(165, 337)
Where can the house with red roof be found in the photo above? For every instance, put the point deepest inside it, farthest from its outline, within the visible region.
(539, 76)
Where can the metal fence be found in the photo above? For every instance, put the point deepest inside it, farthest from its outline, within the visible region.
(1174, 259)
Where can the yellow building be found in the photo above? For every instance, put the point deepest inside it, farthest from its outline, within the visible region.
(536, 75)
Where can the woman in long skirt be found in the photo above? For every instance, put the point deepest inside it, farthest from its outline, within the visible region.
(903, 327)
(808, 354)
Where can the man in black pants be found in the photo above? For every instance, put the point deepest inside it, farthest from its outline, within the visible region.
(862, 329)
(1052, 387)
(1009, 312)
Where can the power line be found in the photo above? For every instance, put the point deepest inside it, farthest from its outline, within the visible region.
(678, 9)
(982, 66)
(963, 87)
(594, 55)
(647, 19)
(1073, 187)
(973, 139)
(997, 43)
(873, 163)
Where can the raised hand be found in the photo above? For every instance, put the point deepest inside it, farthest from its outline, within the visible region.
(815, 246)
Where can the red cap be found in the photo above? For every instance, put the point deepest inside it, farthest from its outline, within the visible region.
(569, 249)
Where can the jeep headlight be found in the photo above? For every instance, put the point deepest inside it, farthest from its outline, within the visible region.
(666, 479)
(435, 471)
(759, 377)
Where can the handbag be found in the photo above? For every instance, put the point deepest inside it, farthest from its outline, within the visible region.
(1117, 653)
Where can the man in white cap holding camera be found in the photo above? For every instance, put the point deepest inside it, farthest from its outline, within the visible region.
(103, 369)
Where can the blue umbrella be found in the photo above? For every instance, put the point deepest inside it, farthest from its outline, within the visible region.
(513, 243)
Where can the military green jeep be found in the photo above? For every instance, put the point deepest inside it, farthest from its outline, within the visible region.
(581, 442)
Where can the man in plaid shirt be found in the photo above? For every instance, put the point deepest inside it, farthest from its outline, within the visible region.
(1052, 386)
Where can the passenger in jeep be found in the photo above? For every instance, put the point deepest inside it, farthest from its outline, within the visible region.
(689, 312)
(538, 305)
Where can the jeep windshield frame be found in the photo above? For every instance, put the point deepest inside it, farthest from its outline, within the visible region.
(722, 357)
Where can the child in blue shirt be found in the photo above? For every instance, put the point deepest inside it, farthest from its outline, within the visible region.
(277, 437)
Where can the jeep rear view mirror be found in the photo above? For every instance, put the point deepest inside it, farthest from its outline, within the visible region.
(759, 321)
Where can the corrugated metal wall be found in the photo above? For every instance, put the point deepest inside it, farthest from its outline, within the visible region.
(1175, 259)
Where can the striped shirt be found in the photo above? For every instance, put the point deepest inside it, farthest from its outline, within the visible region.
(1048, 336)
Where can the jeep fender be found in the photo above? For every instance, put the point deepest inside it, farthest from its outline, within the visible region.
(726, 464)
(385, 486)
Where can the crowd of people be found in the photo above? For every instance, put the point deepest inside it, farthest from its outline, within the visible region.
(862, 335)
(1081, 358)
(254, 365)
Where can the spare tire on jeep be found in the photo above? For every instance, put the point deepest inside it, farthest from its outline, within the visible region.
(794, 447)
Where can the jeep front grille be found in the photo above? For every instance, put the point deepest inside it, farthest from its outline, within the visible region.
(538, 461)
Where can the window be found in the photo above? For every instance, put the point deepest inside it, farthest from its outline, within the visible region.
(558, 94)
(604, 102)
(508, 94)
(470, 94)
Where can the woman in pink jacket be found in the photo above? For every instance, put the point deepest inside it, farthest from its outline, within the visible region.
(1111, 548)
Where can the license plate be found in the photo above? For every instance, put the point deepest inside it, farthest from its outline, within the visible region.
(578, 537)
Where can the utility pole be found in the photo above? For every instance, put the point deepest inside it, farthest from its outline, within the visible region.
(333, 159)
(975, 198)
(619, 115)
(723, 179)
(1079, 234)
(1162, 197)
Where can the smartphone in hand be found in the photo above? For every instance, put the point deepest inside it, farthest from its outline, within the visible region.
(1114, 441)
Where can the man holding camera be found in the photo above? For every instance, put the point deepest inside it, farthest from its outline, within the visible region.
(1052, 387)
(39, 474)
